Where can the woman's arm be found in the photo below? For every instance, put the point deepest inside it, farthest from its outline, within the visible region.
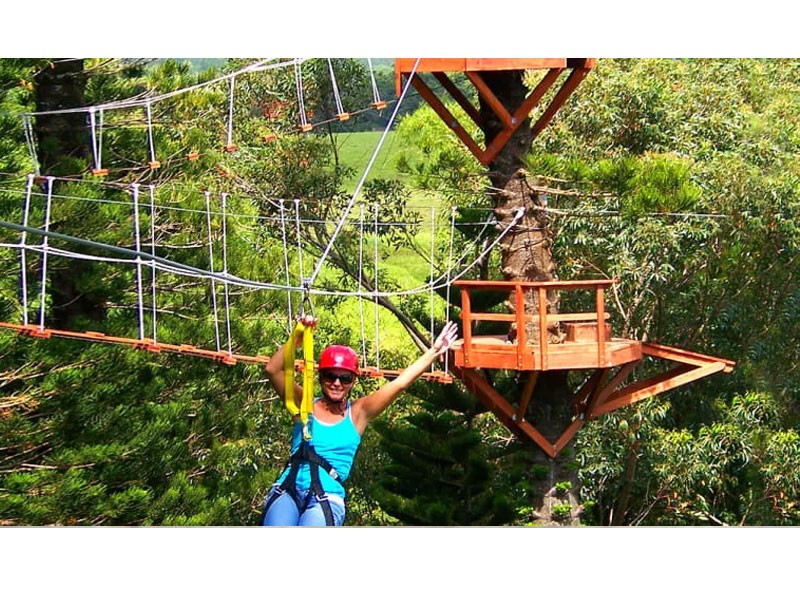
(275, 371)
(371, 406)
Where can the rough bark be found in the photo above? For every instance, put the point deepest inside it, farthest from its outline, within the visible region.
(526, 255)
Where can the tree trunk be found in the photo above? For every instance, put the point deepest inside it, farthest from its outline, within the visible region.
(526, 255)
(63, 150)
(65, 135)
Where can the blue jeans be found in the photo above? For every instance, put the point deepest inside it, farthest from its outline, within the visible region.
(284, 512)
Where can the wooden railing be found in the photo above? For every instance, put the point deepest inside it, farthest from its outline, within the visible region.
(520, 317)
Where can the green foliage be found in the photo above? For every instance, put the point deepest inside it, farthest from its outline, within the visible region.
(438, 162)
(678, 178)
(439, 471)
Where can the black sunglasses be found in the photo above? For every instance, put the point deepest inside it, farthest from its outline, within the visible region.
(343, 377)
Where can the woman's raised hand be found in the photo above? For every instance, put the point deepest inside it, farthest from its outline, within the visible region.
(446, 337)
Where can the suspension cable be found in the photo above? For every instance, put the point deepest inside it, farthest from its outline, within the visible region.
(297, 234)
(45, 245)
(23, 256)
(376, 97)
(430, 281)
(27, 127)
(153, 161)
(188, 271)
(229, 144)
(360, 285)
(337, 99)
(301, 107)
(138, 245)
(211, 268)
(449, 277)
(261, 65)
(375, 290)
(96, 130)
(153, 252)
(225, 270)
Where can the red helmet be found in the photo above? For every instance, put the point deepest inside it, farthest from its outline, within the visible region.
(339, 357)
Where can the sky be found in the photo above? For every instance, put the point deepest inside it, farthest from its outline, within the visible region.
(614, 28)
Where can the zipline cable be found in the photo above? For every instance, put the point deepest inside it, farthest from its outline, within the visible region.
(299, 245)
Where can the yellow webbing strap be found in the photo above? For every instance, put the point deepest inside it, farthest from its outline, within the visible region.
(307, 402)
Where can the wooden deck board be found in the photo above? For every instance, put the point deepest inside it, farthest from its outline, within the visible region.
(495, 352)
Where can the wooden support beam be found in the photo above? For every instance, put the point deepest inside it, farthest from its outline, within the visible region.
(527, 394)
(456, 94)
(489, 97)
(567, 436)
(608, 389)
(600, 304)
(683, 356)
(596, 391)
(636, 386)
(589, 386)
(659, 385)
(446, 116)
(561, 97)
(466, 320)
(494, 147)
(492, 399)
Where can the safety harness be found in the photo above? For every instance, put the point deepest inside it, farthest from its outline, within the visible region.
(305, 453)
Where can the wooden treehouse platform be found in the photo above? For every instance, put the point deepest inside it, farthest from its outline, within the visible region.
(512, 117)
(612, 360)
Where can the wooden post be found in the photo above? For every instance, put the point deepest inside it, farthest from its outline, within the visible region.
(600, 305)
(543, 326)
(519, 310)
(466, 320)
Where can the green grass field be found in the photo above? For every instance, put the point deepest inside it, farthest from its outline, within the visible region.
(407, 269)
(356, 150)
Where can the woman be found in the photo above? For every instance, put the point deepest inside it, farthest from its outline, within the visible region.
(310, 491)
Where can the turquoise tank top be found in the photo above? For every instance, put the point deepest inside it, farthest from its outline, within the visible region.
(337, 443)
